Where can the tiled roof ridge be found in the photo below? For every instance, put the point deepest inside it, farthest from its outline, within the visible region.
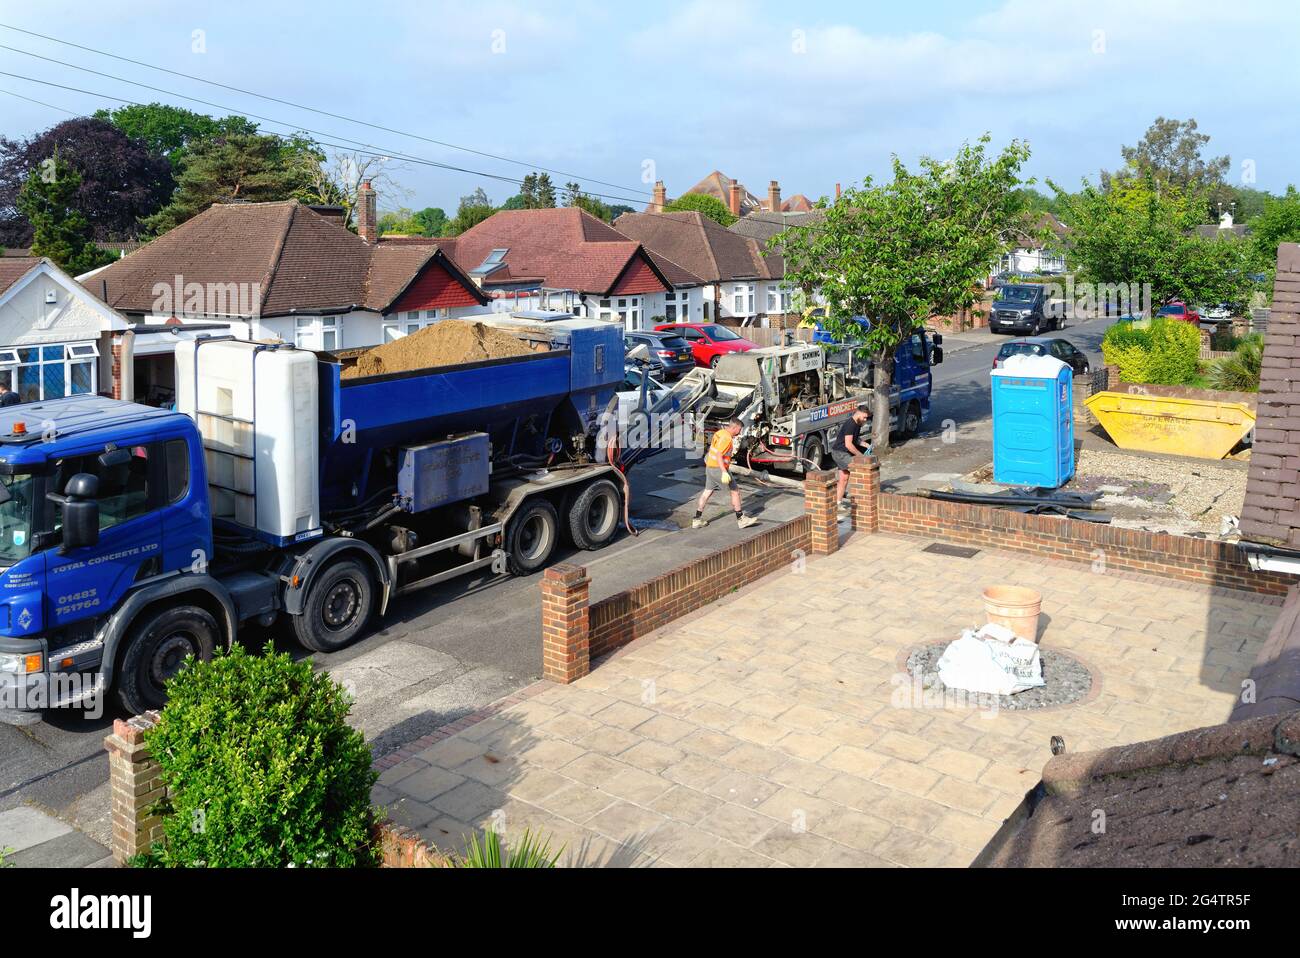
(269, 276)
(1069, 774)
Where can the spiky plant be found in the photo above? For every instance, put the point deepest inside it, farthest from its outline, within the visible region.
(530, 851)
(1240, 371)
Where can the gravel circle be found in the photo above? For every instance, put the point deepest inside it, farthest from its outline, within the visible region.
(1068, 680)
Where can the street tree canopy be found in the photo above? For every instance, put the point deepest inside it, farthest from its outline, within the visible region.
(904, 251)
(710, 206)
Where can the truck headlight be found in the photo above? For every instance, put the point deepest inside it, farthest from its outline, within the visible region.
(14, 664)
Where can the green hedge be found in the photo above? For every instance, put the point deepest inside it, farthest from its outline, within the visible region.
(1161, 352)
(261, 767)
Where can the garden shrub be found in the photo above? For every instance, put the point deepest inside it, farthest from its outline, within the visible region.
(1161, 352)
(1240, 371)
(261, 767)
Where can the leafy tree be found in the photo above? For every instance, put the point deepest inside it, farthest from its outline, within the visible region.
(1278, 222)
(401, 222)
(1170, 152)
(433, 221)
(573, 196)
(618, 209)
(257, 168)
(120, 180)
(170, 131)
(710, 206)
(478, 198)
(537, 192)
(468, 216)
(901, 252)
(59, 230)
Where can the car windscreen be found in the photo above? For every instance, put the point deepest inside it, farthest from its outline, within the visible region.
(1017, 294)
(1020, 349)
(720, 334)
(1169, 311)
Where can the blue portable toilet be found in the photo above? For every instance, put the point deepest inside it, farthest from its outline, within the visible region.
(1033, 422)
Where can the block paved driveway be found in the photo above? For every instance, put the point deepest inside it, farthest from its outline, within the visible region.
(774, 728)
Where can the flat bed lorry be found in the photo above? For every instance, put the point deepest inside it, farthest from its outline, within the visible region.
(132, 537)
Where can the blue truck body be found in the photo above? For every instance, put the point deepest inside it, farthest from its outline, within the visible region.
(422, 476)
(912, 381)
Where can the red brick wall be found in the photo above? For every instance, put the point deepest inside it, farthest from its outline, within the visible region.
(1202, 561)
(618, 620)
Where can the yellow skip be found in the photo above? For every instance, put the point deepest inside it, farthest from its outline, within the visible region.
(1179, 427)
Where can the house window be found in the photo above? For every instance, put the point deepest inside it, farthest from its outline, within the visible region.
(330, 333)
(49, 372)
(304, 333)
(772, 300)
(670, 312)
(391, 332)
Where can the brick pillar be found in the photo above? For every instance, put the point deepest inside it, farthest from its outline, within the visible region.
(1113, 381)
(135, 781)
(864, 493)
(566, 647)
(819, 503)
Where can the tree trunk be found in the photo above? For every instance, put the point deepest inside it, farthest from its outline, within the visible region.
(882, 377)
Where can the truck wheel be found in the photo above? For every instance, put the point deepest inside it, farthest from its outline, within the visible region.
(814, 452)
(157, 650)
(530, 540)
(911, 420)
(593, 516)
(338, 607)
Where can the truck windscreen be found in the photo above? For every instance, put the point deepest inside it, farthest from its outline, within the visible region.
(16, 518)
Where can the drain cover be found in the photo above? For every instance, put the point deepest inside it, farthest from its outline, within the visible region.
(957, 552)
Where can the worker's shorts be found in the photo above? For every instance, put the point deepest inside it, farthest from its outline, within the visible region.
(842, 459)
(713, 479)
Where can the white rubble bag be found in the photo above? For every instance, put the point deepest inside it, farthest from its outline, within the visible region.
(985, 662)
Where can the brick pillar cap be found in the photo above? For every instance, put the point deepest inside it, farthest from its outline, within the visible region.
(566, 573)
(820, 476)
(871, 462)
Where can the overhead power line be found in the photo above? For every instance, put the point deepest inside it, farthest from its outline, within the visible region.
(312, 109)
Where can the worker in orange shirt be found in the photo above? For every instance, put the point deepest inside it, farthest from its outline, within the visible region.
(717, 473)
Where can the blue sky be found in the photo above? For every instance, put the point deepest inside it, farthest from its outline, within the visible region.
(808, 94)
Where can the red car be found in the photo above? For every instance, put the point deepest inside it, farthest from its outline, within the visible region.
(709, 341)
(1180, 310)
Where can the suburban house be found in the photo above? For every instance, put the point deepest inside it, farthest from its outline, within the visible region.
(1033, 253)
(568, 260)
(741, 284)
(278, 270)
(56, 339)
(735, 197)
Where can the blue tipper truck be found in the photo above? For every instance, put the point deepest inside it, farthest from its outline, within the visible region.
(132, 537)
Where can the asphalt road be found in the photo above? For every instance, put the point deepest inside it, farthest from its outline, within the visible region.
(451, 649)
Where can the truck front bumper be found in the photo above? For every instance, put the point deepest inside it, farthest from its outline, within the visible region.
(28, 687)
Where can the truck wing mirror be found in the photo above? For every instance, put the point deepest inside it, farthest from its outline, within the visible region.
(936, 356)
(80, 512)
(937, 339)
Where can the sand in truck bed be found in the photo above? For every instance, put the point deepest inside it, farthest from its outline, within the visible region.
(447, 343)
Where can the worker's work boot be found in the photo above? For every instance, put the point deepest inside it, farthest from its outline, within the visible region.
(746, 521)
(699, 523)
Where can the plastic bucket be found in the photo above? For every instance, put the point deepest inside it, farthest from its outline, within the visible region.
(1016, 607)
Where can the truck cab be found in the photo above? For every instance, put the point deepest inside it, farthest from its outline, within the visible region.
(104, 511)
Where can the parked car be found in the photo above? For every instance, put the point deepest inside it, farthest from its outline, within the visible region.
(1061, 349)
(670, 355)
(709, 341)
(1176, 309)
(1021, 308)
(1216, 312)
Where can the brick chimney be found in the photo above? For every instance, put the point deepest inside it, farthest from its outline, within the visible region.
(367, 213)
(733, 198)
(661, 198)
(837, 191)
(774, 196)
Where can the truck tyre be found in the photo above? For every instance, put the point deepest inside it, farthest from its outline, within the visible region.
(911, 423)
(338, 607)
(814, 453)
(530, 538)
(593, 516)
(156, 651)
